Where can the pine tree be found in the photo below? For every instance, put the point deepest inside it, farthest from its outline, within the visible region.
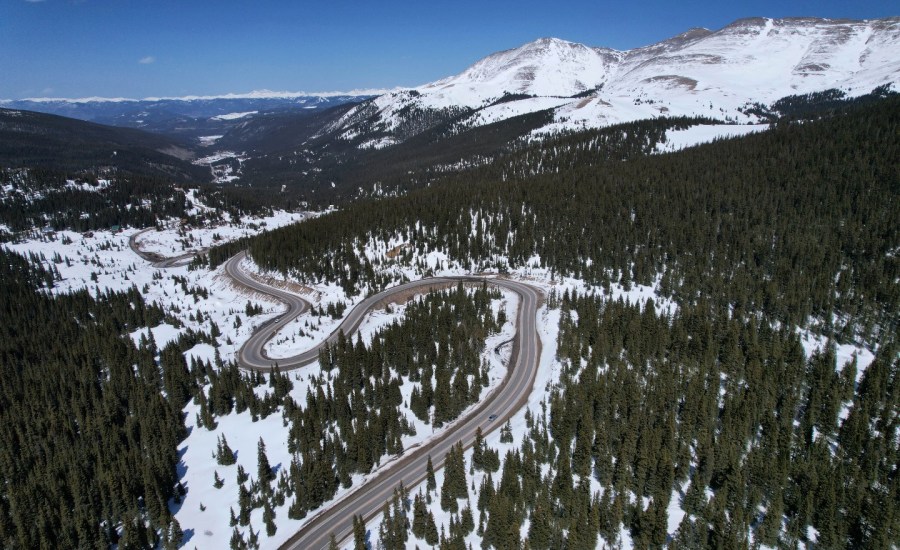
(224, 454)
(359, 533)
(420, 511)
(430, 484)
(431, 532)
(269, 519)
(264, 471)
(467, 520)
(454, 486)
(506, 433)
(539, 531)
(245, 505)
(387, 535)
(478, 450)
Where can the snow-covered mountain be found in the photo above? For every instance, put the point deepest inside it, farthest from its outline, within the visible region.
(697, 73)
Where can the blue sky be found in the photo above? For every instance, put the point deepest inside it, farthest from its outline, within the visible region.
(127, 48)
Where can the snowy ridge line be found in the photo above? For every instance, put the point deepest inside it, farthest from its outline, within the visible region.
(700, 72)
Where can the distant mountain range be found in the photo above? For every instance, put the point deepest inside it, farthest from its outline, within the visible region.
(190, 117)
(336, 144)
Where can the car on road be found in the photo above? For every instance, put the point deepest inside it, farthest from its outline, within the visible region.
(492, 418)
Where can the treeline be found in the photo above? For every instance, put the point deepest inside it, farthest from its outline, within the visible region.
(816, 104)
(87, 439)
(338, 172)
(40, 197)
(798, 222)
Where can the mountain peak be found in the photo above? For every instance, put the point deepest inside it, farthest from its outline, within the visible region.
(548, 41)
(547, 66)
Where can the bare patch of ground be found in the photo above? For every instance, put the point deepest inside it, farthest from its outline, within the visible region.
(290, 286)
(673, 81)
(394, 252)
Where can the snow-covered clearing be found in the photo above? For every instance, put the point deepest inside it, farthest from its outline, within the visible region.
(222, 172)
(233, 116)
(176, 239)
(206, 141)
(677, 140)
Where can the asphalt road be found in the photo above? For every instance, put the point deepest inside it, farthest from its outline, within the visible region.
(367, 499)
(157, 260)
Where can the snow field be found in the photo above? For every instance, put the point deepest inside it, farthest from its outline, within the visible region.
(677, 140)
(714, 74)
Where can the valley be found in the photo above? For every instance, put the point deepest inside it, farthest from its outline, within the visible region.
(571, 297)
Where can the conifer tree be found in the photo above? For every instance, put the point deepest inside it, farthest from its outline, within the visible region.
(269, 519)
(245, 505)
(264, 471)
(478, 450)
(224, 454)
(430, 484)
(420, 511)
(359, 533)
(431, 532)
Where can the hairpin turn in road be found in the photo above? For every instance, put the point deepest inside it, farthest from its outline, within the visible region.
(503, 402)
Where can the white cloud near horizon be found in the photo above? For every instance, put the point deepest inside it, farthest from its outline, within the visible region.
(147, 60)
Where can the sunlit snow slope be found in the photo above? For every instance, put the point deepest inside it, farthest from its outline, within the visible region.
(697, 73)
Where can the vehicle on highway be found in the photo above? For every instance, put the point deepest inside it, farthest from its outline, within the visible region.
(492, 418)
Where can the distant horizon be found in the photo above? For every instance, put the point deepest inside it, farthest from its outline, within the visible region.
(252, 94)
(100, 50)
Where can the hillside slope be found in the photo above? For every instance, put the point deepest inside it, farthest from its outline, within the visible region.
(37, 140)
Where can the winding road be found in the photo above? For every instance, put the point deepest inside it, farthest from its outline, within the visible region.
(157, 260)
(501, 403)
(367, 499)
